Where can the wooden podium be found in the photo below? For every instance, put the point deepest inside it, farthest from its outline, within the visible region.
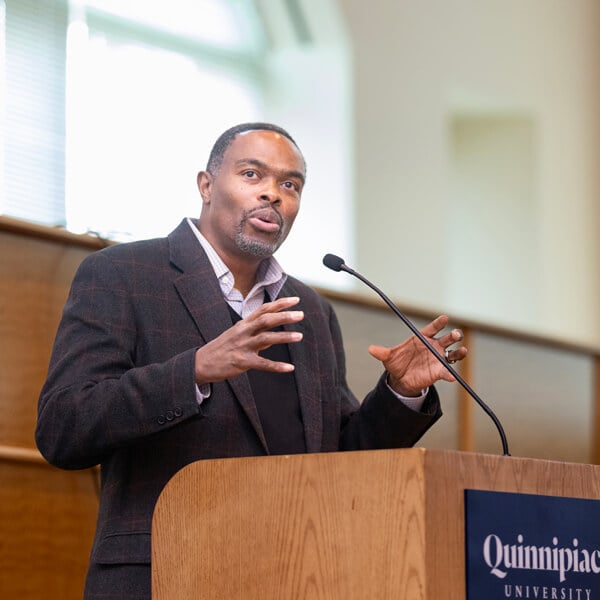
(349, 525)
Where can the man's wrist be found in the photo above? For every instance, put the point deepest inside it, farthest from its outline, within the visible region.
(396, 386)
(413, 402)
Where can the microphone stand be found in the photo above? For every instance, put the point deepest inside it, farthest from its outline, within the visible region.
(339, 265)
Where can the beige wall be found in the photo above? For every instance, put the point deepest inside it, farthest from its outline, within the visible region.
(418, 66)
(470, 131)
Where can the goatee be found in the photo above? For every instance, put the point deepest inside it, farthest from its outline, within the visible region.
(255, 247)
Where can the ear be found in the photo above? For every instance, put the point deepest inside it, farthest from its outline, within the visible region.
(204, 181)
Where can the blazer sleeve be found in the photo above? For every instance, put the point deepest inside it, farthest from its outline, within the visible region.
(96, 397)
(381, 420)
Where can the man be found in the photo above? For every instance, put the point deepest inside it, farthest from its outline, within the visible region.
(198, 346)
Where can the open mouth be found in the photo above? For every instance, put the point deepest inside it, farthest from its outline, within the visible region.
(265, 219)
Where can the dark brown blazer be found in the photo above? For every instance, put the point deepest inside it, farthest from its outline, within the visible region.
(120, 390)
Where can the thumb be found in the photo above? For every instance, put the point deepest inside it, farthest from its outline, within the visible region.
(379, 352)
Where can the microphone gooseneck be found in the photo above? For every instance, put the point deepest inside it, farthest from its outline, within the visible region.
(336, 263)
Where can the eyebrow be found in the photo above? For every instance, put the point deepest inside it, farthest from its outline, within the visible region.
(260, 164)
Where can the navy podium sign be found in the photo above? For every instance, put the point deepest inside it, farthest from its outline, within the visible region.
(530, 546)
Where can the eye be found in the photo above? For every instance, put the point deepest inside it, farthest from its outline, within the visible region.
(290, 185)
(250, 174)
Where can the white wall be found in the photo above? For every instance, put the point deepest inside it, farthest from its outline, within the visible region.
(420, 64)
(309, 92)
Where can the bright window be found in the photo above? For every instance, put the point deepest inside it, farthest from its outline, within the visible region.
(109, 108)
(142, 117)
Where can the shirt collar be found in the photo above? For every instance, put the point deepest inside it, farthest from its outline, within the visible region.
(270, 275)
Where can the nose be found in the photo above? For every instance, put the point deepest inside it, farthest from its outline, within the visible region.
(270, 192)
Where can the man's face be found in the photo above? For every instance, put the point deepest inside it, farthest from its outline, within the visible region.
(250, 204)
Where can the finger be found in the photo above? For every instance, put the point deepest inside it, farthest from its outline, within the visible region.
(447, 376)
(457, 354)
(271, 338)
(278, 305)
(380, 352)
(266, 321)
(273, 314)
(456, 335)
(435, 326)
(263, 364)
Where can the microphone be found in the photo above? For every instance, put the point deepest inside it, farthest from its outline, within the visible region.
(335, 263)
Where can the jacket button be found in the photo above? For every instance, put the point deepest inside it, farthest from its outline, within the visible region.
(161, 420)
(170, 415)
(178, 412)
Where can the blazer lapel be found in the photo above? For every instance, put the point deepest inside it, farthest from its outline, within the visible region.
(303, 355)
(201, 294)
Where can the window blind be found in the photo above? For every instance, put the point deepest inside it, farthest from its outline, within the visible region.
(34, 110)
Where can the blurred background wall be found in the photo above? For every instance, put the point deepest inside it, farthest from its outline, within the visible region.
(477, 135)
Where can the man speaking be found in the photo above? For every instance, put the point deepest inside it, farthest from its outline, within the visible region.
(199, 346)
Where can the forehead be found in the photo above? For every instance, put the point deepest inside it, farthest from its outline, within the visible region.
(265, 146)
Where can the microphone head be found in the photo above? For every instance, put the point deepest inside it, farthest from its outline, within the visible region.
(333, 262)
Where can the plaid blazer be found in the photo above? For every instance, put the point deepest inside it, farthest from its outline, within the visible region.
(120, 388)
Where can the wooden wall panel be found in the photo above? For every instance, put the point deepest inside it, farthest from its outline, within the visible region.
(47, 521)
(35, 275)
(47, 516)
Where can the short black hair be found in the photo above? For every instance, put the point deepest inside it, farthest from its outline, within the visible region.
(224, 141)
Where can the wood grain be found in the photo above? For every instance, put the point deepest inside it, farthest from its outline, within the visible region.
(35, 276)
(47, 516)
(47, 520)
(292, 527)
